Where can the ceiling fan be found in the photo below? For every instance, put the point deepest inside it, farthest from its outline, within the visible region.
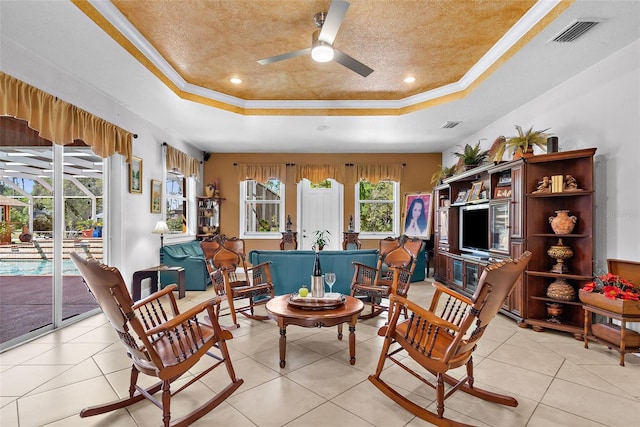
(322, 49)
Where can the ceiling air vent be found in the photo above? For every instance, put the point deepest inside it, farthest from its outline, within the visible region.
(575, 30)
(449, 125)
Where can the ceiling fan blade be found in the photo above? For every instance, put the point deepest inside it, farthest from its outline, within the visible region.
(337, 11)
(284, 56)
(351, 63)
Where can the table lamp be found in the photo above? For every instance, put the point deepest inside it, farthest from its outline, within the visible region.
(161, 229)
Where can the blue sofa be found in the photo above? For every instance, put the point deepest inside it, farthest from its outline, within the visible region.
(292, 269)
(189, 256)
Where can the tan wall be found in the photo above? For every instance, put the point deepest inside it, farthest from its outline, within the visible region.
(416, 177)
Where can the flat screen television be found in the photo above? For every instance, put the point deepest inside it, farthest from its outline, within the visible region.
(474, 229)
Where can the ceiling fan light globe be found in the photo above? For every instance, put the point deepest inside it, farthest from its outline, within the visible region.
(322, 53)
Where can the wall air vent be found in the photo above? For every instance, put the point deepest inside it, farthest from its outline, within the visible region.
(449, 125)
(575, 30)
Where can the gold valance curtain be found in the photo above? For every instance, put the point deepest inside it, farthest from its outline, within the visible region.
(186, 165)
(262, 172)
(375, 173)
(318, 173)
(59, 121)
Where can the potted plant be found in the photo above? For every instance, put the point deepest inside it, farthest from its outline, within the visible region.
(522, 144)
(470, 157)
(321, 239)
(613, 293)
(444, 172)
(6, 228)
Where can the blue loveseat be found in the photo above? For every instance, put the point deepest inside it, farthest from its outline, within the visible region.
(292, 269)
(189, 256)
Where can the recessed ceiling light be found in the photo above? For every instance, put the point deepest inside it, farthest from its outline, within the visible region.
(409, 79)
(235, 80)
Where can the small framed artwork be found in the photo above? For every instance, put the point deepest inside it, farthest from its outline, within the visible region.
(462, 196)
(502, 192)
(476, 189)
(135, 175)
(156, 196)
(418, 215)
(504, 179)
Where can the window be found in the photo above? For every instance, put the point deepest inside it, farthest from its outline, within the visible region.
(377, 208)
(176, 197)
(261, 209)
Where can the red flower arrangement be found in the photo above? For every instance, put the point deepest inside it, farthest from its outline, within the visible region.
(613, 287)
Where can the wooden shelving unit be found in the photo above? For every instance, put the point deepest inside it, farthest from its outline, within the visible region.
(539, 237)
(208, 216)
(513, 184)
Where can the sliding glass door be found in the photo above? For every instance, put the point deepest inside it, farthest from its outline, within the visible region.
(52, 199)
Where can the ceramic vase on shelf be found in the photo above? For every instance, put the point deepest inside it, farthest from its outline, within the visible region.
(560, 252)
(562, 223)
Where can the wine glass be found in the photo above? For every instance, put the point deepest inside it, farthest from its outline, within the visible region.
(330, 278)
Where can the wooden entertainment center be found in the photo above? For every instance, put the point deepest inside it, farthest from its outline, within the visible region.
(517, 200)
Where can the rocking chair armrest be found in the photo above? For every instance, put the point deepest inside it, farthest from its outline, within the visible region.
(156, 295)
(183, 317)
(443, 289)
(398, 302)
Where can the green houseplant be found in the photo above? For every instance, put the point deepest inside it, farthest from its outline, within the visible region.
(471, 156)
(443, 172)
(321, 239)
(6, 228)
(523, 143)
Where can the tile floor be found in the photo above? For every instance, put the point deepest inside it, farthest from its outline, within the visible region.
(557, 382)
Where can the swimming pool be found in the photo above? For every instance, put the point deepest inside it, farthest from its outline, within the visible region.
(34, 268)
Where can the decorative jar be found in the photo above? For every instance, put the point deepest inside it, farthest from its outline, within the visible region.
(562, 223)
(560, 252)
(560, 289)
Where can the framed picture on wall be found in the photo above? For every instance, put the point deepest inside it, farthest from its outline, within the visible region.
(135, 175)
(156, 196)
(417, 215)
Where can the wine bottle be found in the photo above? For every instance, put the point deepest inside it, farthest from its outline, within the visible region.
(317, 281)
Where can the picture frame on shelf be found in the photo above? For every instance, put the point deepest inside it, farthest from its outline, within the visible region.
(476, 189)
(502, 192)
(418, 215)
(504, 179)
(156, 196)
(462, 196)
(135, 175)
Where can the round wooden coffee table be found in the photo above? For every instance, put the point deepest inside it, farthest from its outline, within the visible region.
(284, 314)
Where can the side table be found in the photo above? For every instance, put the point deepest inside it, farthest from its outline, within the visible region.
(153, 273)
(351, 238)
(289, 237)
(625, 340)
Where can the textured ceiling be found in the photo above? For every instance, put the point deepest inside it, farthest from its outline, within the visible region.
(89, 54)
(208, 42)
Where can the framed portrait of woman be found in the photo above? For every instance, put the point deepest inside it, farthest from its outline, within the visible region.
(418, 215)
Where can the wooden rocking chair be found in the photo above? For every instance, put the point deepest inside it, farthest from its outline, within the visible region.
(396, 262)
(161, 341)
(444, 341)
(223, 256)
